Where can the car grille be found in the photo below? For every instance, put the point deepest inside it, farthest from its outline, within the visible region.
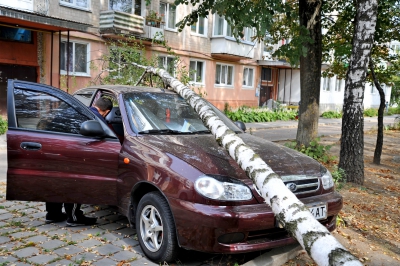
(301, 184)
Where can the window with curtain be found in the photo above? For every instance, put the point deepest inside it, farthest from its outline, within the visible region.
(75, 57)
(224, 74)
(168, 14)
(196, 69)
(248, 77)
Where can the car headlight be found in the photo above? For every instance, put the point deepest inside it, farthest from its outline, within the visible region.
(222, 188)
(327, 180)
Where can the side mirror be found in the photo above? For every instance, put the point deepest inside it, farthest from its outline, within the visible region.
(240, 125)
(92, 128)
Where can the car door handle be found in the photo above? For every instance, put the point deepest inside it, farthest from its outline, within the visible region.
(31, 146)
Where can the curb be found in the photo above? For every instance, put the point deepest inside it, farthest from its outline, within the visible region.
(277, 256)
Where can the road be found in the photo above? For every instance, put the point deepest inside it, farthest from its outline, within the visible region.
(287, 130)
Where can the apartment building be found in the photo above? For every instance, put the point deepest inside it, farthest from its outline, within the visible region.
(57, 42)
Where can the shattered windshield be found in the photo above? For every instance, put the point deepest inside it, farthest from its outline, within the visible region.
(162, 113)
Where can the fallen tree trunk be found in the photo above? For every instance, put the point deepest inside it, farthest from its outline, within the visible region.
(289, 211)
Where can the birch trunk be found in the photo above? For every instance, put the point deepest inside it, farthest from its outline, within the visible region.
(352, 141)
(289, 211)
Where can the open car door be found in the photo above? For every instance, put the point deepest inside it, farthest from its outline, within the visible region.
(48, 159)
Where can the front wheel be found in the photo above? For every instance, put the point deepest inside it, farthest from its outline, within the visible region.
(155, 228)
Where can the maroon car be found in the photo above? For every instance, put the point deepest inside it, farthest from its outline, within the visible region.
(158, 163)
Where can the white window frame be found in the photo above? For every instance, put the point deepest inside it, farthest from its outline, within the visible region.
(165, 59)
(225, 75)
(73, 72)
(227, 32)
(326, 82)
(202, 77)
(196, 28)
(338, 85)
(166, 16)
(249, 83)
(118, 75)
(74, 4)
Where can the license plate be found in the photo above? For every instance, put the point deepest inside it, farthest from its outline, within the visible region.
(320, 211)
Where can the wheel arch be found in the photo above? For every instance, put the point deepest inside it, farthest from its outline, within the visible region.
(137, 192)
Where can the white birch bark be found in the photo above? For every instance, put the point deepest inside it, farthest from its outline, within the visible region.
(289, 211)
(352, 140)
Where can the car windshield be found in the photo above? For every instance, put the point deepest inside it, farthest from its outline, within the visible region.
(163, 113)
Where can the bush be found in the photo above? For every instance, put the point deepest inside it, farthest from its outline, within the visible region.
(251, 115)
(371, 112)
(394, 110)
(338, 176)
(331, 114)
(3, 126)
(317, 151)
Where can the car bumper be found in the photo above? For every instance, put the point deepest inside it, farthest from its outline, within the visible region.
(238, 229)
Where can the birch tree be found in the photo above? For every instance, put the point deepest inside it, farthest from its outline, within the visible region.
(352, 141)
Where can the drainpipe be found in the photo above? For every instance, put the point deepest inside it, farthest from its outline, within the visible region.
(291, 76)
(51, 59)
(68, 62)
(59, 59)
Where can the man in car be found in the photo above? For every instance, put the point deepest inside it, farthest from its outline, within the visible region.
(74, 214)
(102, 107)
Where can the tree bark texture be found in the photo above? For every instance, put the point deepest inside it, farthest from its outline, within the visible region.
(289, 211)
(352, 141)
(310, 72)
(379, 136)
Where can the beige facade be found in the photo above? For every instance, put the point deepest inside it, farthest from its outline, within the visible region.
(228, 72)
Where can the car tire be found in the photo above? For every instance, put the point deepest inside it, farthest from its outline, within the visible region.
(155, 228)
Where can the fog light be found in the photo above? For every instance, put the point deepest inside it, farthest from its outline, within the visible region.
(231, 238)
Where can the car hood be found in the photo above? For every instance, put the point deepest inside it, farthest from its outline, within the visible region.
(204, 153)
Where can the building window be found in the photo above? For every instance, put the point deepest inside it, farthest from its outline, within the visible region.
(167, 63)
(76, 57)
(266, 74)
(224, 75)
(338, 85)
(222, 28)
(15, 34)
(168, 14)
(326, 84)
(76, 3)
(248, 76)
(200, 27)
(120, 5)
(196, 69)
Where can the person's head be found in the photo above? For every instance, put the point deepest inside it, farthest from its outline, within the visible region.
(104, 106)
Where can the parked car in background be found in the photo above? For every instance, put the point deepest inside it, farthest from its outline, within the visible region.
(156, 161)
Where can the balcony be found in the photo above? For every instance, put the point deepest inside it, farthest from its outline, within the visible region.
(227, 48)
(115, 23)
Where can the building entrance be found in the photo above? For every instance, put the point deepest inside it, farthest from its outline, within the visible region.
(27, 73)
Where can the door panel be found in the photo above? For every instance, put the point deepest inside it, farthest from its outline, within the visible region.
(48, 160)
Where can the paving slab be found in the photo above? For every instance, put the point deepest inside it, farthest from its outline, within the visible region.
(107, 250)
(42, 259)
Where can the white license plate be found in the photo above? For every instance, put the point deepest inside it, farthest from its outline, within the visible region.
(320, 211)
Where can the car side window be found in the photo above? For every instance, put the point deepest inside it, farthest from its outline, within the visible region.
(41, 111)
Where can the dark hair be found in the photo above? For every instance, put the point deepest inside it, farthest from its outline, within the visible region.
(104, 104)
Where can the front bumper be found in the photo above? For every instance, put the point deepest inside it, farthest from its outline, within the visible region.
(238, 229)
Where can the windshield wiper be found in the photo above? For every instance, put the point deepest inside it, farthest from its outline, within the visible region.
(175, 132)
